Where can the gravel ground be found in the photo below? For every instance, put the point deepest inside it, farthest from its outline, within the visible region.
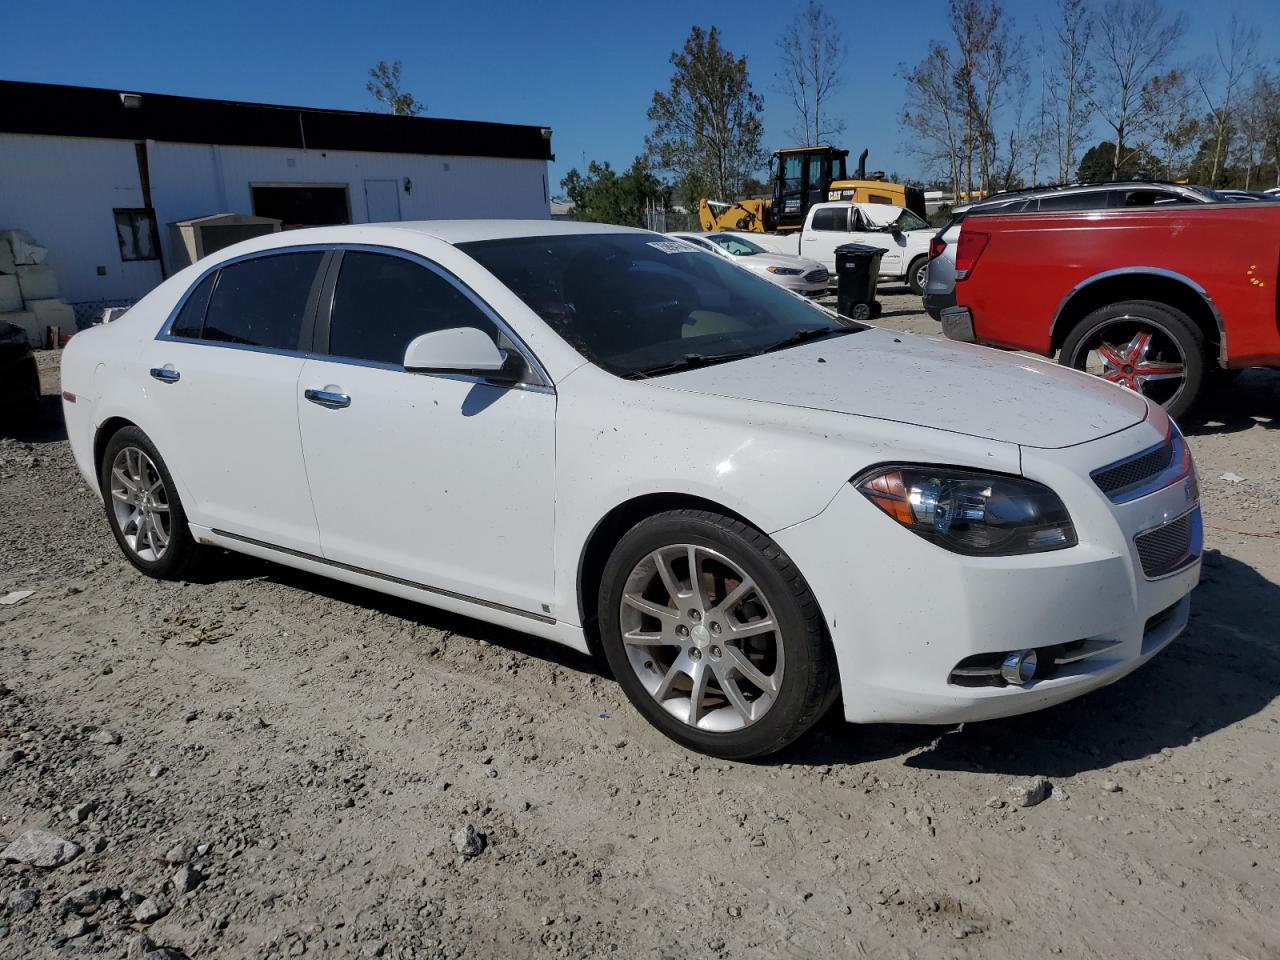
(267, 764)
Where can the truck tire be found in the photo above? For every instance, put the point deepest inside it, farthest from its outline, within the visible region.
(918, 275)
(1149, 347)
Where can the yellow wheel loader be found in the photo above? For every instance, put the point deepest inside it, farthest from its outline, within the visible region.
(803, 176)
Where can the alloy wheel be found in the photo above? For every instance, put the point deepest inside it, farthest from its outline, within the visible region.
(140, 502)
(702, 638)
(1137, 354)
(922, 275)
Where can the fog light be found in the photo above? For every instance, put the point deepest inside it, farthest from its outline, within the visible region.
(1019, 667)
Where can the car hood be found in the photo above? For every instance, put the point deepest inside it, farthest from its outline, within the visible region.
(761, 261)
(928, 382)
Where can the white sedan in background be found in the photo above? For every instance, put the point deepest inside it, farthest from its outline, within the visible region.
(600, 436)
(794, 273)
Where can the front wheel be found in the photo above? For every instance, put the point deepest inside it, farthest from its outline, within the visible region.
(714, 635)
(918, 275)
(1149, 347)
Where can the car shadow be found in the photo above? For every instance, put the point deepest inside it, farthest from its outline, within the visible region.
(223, 566)
(1222, 670)
(1251, 400)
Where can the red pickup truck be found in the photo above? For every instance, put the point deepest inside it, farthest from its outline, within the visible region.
(1158, 299)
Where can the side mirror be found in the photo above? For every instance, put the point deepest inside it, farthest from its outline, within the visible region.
(458, 350)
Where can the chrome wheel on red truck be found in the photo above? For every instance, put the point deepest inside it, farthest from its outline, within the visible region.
(1148, 347)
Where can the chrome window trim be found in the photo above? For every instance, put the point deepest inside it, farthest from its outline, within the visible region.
(1180, 467)
(163, 333)
(1158, 272)
(544, 384)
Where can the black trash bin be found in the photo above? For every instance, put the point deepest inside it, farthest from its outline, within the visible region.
(857, 269)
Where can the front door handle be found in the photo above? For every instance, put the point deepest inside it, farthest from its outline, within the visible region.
(333, 399)
(166, 374)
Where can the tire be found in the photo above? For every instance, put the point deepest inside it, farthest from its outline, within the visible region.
(1109, 342)
(163, 552)
(793, 662)
(918, 275)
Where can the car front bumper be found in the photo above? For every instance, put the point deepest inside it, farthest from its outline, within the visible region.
(802, 286)
(903, 613)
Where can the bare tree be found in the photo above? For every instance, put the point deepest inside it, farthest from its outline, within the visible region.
(1259, 123)
(1069, 77)
(1220, 83)
(987, 61)
(1136, 38)
(813, 53)
(934, 116)
(1269, 96)
(1173, 127)
(1041, 139)
(384, 85)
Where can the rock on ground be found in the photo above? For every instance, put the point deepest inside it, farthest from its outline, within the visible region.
(40, 848)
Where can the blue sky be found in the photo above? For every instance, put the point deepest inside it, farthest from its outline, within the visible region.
(588, 70)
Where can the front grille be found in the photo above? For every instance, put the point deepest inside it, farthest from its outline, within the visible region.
(1117, 479)
(1168, 548)
(817, 276)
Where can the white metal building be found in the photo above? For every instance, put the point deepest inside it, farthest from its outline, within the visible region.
(98, 176)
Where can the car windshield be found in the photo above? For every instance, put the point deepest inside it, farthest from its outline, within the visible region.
(909, 221)
(638, 304)
(735, 245)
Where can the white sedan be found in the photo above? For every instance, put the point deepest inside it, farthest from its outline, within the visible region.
(602, 437)
(794, 273)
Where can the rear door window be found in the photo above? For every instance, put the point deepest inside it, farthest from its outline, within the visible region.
(831, 218)
(381, 303)
(262, 302)
(1089, 200)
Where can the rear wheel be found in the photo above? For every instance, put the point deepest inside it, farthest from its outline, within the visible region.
(714, 636)
(1149, 347)
(918, 275)
(143, 509)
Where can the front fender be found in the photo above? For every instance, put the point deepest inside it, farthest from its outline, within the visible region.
(771, 464)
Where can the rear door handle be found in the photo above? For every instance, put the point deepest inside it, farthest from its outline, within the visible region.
(166, 374)
(333, 399)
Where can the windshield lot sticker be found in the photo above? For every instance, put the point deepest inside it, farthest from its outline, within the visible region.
(673, 246)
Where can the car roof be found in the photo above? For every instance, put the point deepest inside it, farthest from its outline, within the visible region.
(450, 231)
(1011, 196)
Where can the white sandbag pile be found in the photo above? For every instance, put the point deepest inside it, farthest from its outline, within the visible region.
(29, 288)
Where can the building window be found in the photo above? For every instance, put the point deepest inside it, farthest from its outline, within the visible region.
(302, 204)
(137, 235)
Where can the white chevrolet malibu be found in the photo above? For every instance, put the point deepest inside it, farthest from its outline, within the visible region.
(615, 441)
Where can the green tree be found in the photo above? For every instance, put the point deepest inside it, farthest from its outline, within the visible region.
(603, 195)
(707, 129)
(1098, 164)
(384, 86)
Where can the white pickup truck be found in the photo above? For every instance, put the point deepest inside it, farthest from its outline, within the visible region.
(902, 236)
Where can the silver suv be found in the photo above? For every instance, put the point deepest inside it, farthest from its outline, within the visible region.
(940, 285)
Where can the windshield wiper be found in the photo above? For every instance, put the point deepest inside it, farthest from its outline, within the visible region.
(691, 361)
(804, 336)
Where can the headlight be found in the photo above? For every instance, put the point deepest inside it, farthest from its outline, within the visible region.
(785, 271)
(977, 514)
